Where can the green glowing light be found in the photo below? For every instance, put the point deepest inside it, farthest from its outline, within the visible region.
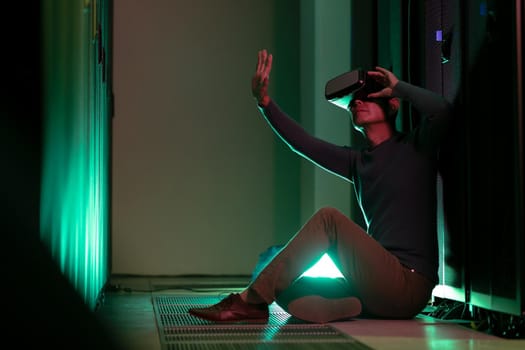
(325, 267)
(74, 208)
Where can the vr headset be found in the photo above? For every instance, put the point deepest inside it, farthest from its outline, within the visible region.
(354, 84)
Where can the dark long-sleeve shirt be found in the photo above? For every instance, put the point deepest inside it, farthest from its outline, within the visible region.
(395, 181)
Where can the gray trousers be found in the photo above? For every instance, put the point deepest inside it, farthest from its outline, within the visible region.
(385, 287)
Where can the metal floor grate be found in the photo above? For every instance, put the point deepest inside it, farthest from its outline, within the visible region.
(180, 330)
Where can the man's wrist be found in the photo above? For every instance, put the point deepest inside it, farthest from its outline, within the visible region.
(264, 102)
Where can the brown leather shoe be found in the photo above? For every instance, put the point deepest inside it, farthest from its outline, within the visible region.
(233, 309)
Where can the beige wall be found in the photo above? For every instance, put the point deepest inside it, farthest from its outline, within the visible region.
(195, 167)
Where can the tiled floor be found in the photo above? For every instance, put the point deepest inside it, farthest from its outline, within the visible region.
(128, 312)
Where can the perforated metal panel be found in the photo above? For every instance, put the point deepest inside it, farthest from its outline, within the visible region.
(180, 330)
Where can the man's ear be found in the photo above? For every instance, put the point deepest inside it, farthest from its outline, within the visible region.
(393, 105)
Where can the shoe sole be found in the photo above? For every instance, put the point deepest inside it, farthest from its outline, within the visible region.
(243, 321)
(317, 309)
(247, 321)
(240, 320)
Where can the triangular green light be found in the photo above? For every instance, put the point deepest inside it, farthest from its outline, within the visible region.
(325, 267)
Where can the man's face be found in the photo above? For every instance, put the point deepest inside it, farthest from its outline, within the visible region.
(366, 111)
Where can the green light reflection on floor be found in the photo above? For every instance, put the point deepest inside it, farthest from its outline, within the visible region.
(325, 267)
